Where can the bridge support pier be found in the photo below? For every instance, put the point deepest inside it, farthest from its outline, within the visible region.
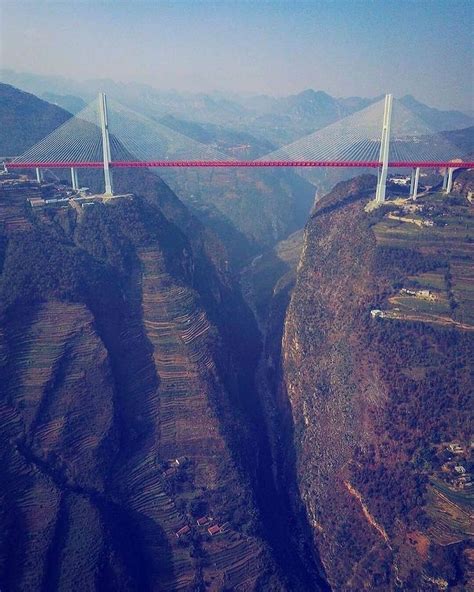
(415, 178)
(412, 181)
(39, 175)
(74, 179)
(449, 180)
(104, 124)
(384, 151)
(445, 179)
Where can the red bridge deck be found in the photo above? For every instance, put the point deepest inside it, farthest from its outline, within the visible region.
(235, 163)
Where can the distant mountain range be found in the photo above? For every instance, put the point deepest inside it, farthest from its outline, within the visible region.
(438, 120)
(278, 120)
(71, 103)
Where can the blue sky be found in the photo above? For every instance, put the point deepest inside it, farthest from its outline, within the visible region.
(345, 47)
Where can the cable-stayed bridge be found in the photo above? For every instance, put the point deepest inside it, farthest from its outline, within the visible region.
(109, 135)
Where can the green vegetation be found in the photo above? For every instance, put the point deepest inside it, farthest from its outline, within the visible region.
(39, 267)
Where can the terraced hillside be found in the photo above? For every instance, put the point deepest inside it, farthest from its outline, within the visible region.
(376, 364)
(123, 468)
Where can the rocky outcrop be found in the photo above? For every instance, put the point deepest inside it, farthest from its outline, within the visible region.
(463, 184)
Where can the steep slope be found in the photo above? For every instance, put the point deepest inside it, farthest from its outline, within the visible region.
(25, 119)
(379, 404)
(113, 366)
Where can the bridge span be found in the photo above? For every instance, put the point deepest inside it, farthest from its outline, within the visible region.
(239, 163)
(106, 136)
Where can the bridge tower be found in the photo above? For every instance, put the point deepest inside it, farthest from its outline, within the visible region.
(384, 150)
(104, 125)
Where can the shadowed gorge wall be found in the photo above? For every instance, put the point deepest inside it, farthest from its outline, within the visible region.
(112, 368)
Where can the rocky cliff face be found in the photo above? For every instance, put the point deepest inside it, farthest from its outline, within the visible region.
(121, 407)
(376, 355)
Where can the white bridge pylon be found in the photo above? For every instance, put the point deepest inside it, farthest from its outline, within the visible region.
(360, 137)
(385, 131)
(106, 131)
(384, 150)
(106, 154)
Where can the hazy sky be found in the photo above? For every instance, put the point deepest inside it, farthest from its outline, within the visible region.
(346, 47)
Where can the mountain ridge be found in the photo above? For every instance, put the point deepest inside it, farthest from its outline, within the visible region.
(227, 108)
